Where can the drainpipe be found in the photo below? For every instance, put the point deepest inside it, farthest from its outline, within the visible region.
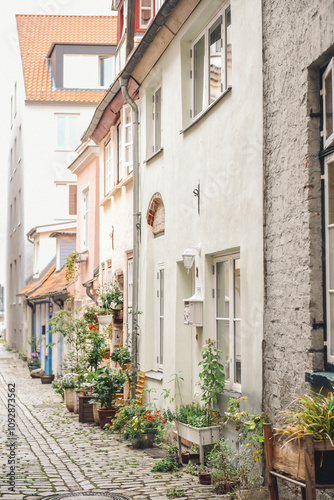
(136, 233)
(89, 293)
(32, 307)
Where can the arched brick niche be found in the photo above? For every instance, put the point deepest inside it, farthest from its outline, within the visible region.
(156, 215)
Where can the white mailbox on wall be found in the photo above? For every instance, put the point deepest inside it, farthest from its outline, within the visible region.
(193, 309)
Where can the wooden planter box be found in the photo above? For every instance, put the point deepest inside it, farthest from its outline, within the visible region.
(304, 461)
(85, 409)
(199, 435)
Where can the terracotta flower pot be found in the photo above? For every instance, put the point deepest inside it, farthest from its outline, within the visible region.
(106, 416)
(69, 399)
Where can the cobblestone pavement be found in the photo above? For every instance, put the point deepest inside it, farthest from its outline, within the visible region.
(57, 454)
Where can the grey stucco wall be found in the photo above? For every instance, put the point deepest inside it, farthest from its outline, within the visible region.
(297, 41)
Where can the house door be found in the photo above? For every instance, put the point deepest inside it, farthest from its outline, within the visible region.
(48, 350)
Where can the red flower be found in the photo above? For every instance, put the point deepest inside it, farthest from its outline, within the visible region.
(83, 392)
(150, 417)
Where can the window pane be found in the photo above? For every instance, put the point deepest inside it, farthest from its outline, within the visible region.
(215, 66)
(228, 54)
(157, 119)
(107, 65)
(331, 257)
(72, 142)
(162, 307)
(199, 76)
(61, 123)
(223, 299)
(237, 288)
(224, 344)
(330, 193)
(146, 12)
(329, 104)
(237, 352)
(161, 354)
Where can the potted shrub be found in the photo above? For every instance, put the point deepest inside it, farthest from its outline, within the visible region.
(105, 387)
(197, 424)
(34, 361)
(122, 356)
(304, 446)
(110, 298)
(69, 383)
(143, 428)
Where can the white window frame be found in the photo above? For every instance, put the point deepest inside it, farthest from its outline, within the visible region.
(206, 77)
(85, 219)
(157, 119)
(230, 384)
(108, 177)
(127, 165)
(67, 146)
(328, 141)
(158, 5)
(143, 7)
(161, 316)
(329, 163)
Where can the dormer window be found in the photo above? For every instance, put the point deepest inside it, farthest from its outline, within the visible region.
(81, 66)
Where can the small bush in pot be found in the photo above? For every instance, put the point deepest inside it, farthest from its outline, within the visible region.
(147, 425)
(110, 297)
(105, 386)
(121, 355)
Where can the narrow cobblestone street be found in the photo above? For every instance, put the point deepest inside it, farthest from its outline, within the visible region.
(57, 454)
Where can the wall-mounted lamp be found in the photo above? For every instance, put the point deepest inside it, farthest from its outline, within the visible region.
(189, 255)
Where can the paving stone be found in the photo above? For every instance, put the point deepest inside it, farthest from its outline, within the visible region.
(56, 453)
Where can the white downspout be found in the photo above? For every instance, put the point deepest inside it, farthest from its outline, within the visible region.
(136, 233)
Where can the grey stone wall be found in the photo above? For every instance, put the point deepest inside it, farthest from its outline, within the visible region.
(298, 40)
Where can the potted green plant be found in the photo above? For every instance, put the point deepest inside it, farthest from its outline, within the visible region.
(212, 381)
(69, 383)
(110, 298)
(122, 356)
(34, 361)
(143, 428)
(105, 387)
(304, 446)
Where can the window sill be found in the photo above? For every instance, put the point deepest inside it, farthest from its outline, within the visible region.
(154, 375)
(203, 113)
(126, 180)
(154, 155)
(320, 378)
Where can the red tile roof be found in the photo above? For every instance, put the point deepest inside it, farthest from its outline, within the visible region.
(56, 284)
(32, 285)
(38, 32)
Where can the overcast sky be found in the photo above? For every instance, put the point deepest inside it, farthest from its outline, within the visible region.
(10, 55)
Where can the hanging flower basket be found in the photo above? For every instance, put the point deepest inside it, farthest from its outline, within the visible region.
(105, 319)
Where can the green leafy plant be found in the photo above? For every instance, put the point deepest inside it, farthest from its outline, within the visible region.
(90, 316)
(110, 296)
(121, 355)
(192, 414)
(232, 469)
(141, 425)
(169, 463)
(176, 492)
(106, 385)
(249, 425)
(72, 267)
(34, 360)
(311, 413)
(212, 377)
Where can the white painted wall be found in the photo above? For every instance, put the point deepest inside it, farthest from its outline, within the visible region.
(224, 153)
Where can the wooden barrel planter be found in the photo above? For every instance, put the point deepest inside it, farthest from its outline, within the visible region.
(304, 461)
(85, 409)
